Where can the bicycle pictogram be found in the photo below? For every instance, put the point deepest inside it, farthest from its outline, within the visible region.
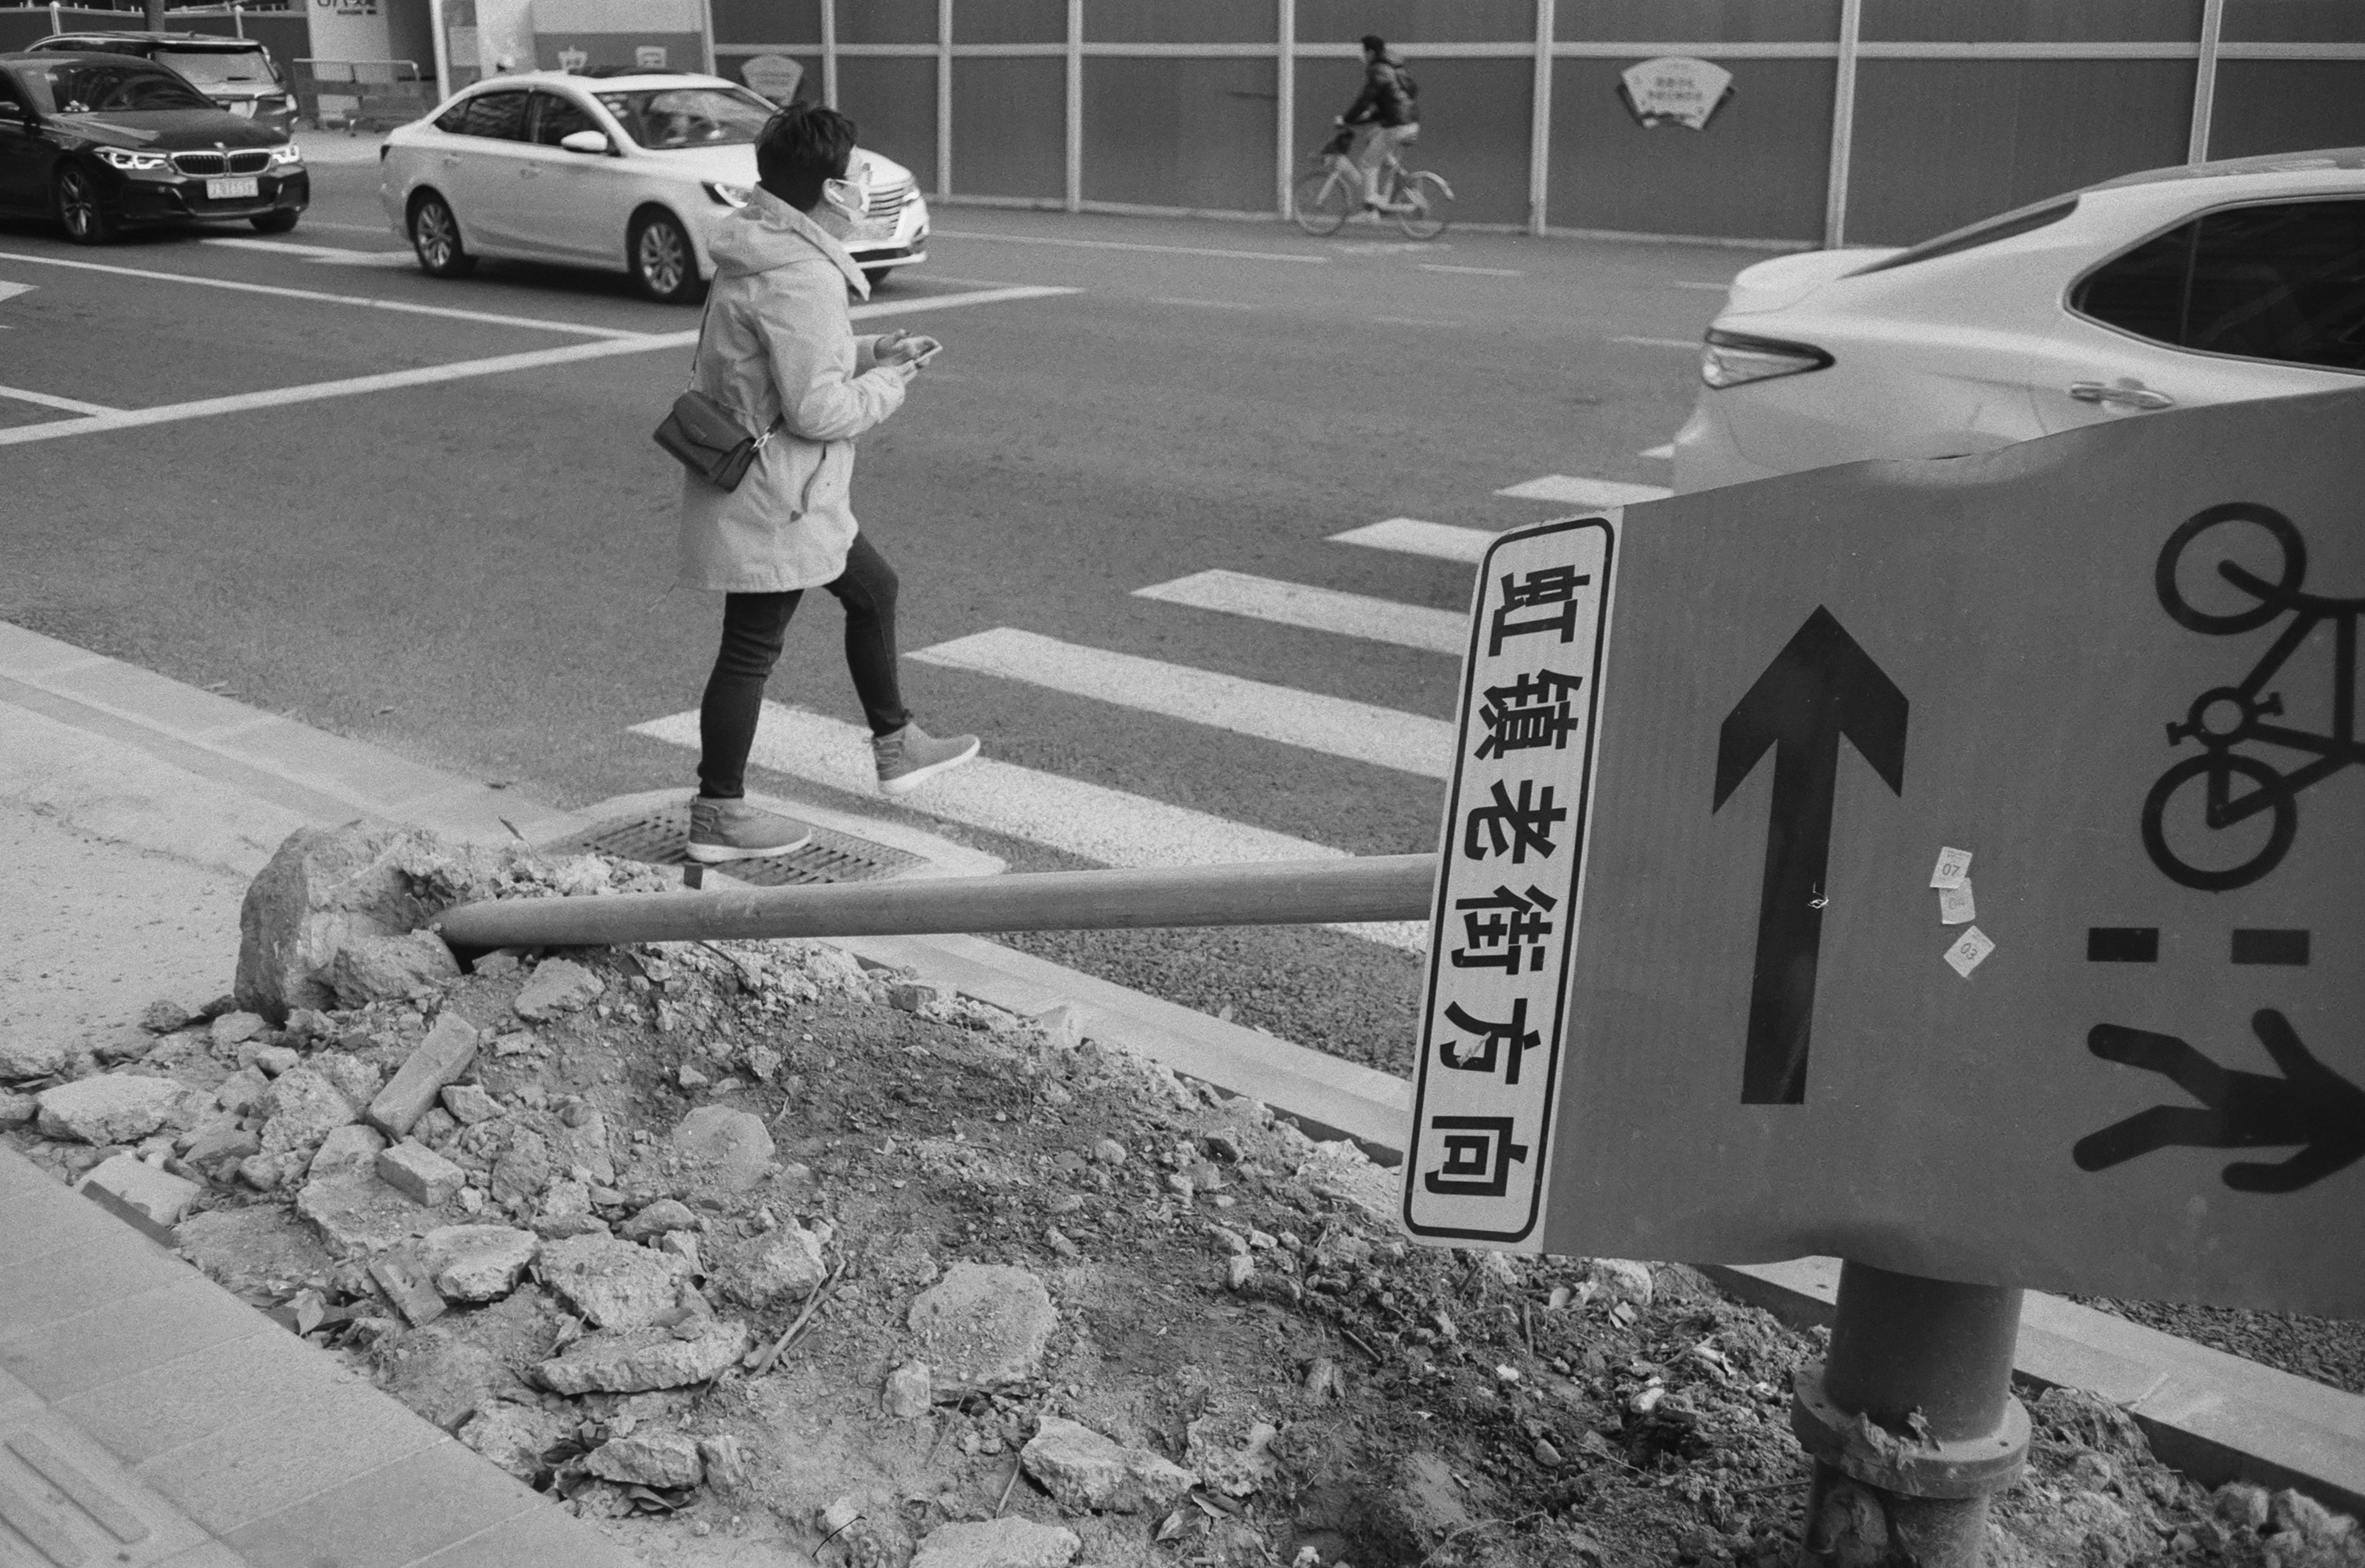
(2225, 718)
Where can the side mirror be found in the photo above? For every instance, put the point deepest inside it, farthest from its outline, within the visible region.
(13, 114)
(590, 141)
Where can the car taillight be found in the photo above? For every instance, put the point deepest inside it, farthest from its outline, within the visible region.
(1730, 359)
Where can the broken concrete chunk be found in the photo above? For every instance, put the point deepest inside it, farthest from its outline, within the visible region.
(732, 1146)
(476, 1262)
(236, 1028)
(447, 1053)
(1082, 1469)
(15, 1109)
(140, 1191)
(524, 1168)
(984, 1326)
(442, 1376)
(909, 1391)
(357, 1214)
(559, 986)
(515, 1437)
(218, 1138)
(998, 1543)
(727, 1469)
(351, 1149)
(469, 1103)
(1619, 1279)
(24, 1055)
(647, 1459)
(665, 1214)
(642, 1358)
(387, 969)
(302, 1107)
(164, 1015)
(401, 1273)
(107, 1109)
(324, 888)
(356, 1079)
(421, 1174)
(242, 1091)
(781, 1265)
(614, 1283)
(129, 1043)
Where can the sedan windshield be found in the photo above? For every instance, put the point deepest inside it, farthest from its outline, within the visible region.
(216, 67)
(111, 87)
(689, 117)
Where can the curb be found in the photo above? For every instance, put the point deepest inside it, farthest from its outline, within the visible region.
(2215, 1416)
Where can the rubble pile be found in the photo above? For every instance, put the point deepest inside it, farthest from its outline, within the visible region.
(749, 1253)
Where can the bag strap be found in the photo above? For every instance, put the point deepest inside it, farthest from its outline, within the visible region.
(778, 421)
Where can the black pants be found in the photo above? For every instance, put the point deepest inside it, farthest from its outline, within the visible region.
(755, 625)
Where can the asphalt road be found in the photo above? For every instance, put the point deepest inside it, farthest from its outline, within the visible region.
(474, 571)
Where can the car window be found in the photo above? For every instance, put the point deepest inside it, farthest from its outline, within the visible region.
(2281, 281)
(92, 86)
(556, 117)
(1987, 232)
(689, 117)
(219, 67)
(499, 116)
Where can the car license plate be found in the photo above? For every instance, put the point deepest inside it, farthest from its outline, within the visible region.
(230, 190)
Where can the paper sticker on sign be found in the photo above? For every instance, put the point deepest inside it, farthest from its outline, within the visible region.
(1953, 865)
(1494, 997)
(1956, 906)
(1674, 90)
(1969, 951)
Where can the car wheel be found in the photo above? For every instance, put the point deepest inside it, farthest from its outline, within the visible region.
(663, 263)
(277, 221)
(435, 236)
(86, 220)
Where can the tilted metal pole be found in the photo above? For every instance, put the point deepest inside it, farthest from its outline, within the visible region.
(1287, 892)
(1911, 1420)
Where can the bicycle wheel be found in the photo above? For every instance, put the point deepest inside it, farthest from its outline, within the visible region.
(1424, 205)
(2218, 879)
(2272, 601)
(1320, 202)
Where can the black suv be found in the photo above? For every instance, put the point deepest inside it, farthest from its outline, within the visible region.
(102, 141)
(237, 73)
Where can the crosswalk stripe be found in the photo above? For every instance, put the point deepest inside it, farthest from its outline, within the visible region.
(1317, 609)
(1357, 730)
(1579, 492)
(1410, 537)
(1664, 454)
(1087, 821)
(331, 255)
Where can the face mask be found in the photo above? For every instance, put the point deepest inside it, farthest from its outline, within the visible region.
(849, 198)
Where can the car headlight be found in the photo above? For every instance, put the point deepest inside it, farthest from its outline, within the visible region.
(729, 195)
(1731, 359)
(287, 155)
(136, 163)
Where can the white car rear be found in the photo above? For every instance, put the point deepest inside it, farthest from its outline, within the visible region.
(630, 173)
(2212, 284)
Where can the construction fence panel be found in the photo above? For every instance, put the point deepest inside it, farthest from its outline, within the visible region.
(1700, 21)
(2032, 128)
(1010, 127)
(886, 21)
(2294, 21)
(893, 101)
(1010, 21)
(2031, 21)
(1164, 22)
(2276, 105)
(766, 22)
(1409, 24)
(1169, 131)
(1757, 169)
(1474, 126)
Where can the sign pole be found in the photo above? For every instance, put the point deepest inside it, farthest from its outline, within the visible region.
(1911, 1420)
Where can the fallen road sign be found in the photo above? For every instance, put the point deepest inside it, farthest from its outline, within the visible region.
(2106, 684)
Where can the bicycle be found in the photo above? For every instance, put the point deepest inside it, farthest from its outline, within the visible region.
(1323, 200)
(2224, 717)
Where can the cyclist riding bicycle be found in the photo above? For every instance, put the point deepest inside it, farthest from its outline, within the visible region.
(1388, 115)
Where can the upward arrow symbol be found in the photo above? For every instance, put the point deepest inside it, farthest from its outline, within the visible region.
(1819, 687)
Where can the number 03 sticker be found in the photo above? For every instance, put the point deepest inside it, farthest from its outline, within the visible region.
(1508, 897)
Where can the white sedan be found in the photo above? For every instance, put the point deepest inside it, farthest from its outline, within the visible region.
(2211, 284)
(630, 171)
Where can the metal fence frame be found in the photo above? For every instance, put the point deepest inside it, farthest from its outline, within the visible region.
(1847, 50)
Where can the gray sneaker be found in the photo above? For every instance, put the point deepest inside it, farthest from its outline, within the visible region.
(911, 756)
(724, 830)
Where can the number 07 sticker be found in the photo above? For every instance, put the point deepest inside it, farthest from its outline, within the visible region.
(1510, 885)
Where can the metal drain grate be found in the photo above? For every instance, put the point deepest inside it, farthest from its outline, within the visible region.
(661, 838)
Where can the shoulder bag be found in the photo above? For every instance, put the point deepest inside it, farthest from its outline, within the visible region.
(705, 435)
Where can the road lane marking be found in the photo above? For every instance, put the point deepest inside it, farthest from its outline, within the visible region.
(1413, 321)
(1088, 820)
(380, 229)
(11, 290)
(1129, 245)
(1318, 609)
(1665, 453)
(1201, 303)
(428, 375)
(330, 255)
(1660, 342)
(70, 405)
(1475, 272)
(1410, 537)
(404, 306)
(1586, 492)
(949, 302)
(1712, 287)
(1359, 731)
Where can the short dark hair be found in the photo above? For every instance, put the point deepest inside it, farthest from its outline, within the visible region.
(1375, 44)
(799, 149)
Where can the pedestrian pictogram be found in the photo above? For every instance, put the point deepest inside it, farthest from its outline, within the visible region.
(2236, 785)
(1741, 1003)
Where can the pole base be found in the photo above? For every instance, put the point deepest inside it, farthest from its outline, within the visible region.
(1879, 1499)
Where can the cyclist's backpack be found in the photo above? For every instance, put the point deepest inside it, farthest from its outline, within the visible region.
(1407, 86)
